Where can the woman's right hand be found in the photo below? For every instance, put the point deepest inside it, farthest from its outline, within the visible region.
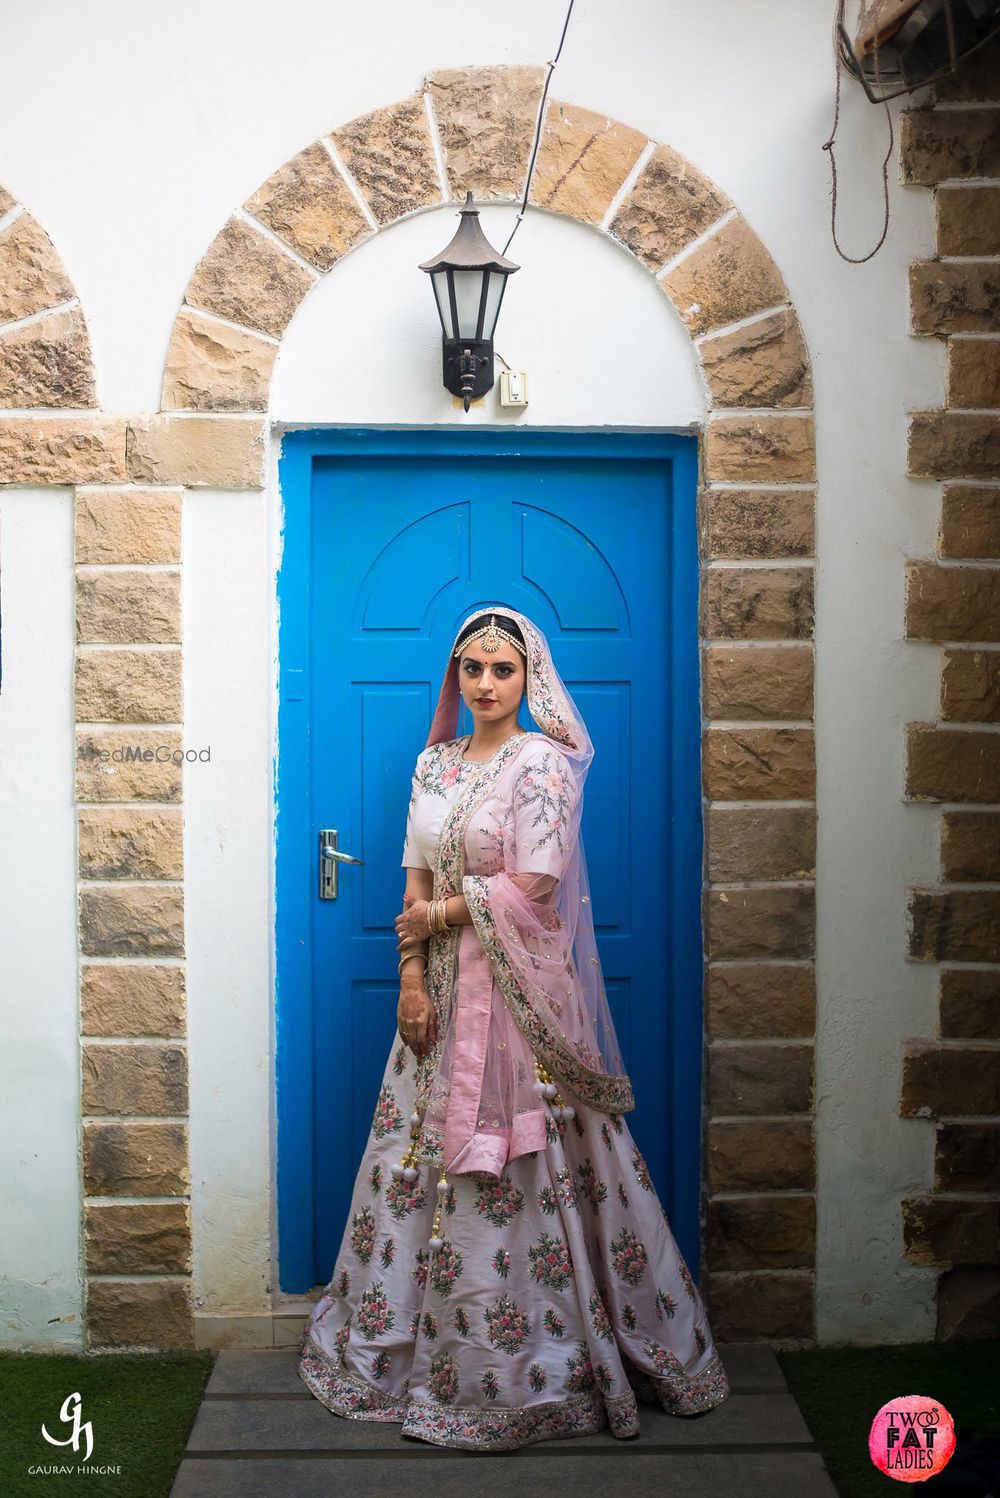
(415, 1017)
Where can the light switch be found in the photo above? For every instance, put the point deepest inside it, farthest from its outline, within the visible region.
(513, 387)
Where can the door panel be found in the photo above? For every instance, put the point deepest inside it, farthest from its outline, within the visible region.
(594, 539)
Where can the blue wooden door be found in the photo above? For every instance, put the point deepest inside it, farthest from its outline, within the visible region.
(390, 539)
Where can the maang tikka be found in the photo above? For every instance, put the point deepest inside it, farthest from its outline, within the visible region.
(491, 635)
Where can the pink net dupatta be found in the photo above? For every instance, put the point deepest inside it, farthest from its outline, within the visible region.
(529, 981)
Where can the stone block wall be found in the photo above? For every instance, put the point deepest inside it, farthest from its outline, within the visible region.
(951, 1079)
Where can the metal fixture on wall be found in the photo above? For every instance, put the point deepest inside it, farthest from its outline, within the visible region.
(901, 45)
(469, 278)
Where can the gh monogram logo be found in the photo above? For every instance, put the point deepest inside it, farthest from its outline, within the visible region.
(72, 1414)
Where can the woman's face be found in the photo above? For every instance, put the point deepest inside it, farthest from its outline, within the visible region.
(492, 683)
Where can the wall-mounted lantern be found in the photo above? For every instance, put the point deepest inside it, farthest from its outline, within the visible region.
(469, 279)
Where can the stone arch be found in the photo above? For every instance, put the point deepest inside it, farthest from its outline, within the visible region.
(45, 355)
(472, 129)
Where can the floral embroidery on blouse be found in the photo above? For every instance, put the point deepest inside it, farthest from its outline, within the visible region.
(545, 791)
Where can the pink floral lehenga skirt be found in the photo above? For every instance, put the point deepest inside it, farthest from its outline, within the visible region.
(557, 1299)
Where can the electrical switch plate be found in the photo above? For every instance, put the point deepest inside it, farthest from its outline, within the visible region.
(513, 387)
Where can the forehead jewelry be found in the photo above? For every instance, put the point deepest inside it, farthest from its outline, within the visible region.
(491, 635)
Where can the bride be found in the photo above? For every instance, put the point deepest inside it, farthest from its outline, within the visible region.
(508, 1274)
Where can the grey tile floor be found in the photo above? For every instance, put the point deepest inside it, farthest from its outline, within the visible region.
(260, 1434)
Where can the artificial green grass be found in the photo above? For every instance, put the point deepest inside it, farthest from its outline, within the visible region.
(141, 1407)
(840, 1390)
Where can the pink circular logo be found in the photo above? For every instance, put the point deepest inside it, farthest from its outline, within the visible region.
(912, 1438)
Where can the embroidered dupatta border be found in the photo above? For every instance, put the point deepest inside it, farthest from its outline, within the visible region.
(601, 1090)
(607, 1093)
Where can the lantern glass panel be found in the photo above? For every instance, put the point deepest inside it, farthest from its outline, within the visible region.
(468, 292)
(493, 297)
(439, 280)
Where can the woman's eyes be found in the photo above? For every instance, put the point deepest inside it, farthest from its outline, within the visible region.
(503, 670)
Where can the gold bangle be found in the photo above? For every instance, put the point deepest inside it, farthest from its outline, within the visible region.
(405, 957)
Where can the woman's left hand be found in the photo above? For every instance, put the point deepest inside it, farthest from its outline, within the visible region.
(411, 923)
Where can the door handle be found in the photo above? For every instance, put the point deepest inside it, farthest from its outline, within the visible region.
(330, 858)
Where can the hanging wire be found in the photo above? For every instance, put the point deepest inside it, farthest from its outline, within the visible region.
(538, 128)
(828, 146)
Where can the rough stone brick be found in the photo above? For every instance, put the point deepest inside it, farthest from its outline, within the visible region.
(32, 277)
(213, 367)
(968, 1305)
(761, 1232)
(970, 1002)
(952, 603)
(199, 452)
(974, 373)
(728, 277)
(135, 1159)
(128, 686)
(765, 364)
(970, 522)
(131, 525)
(133, 1079)
(138, 1238)
(955, 925)
(769, 843)
(760, 1001)
(582, 162)
(762, 449)
(122, 842)
(970, 686)
(954, 444)
(47, 363)
(110, 765)
(760, 1079)
(949, 1081)
(970, 846)
(757, 603)
(137, 921)
(243, 275)
(390, 156)
(968, 220)
(60, 450)
(486, 119)
(128, 607)
(746, 682)
(955, 296)
(669, 205)
(952, 764)
(132, 998)
(778, 921)
(936, 145)
(748, 524)
(760, 1305)
(154, 1313)
(967, 1157)
(309, 205)
(761, 1155)
(759, 764)
(939, 1231)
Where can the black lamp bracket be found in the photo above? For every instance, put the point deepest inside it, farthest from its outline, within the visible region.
(468, 367)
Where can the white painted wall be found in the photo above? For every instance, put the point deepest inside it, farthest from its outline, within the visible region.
(41, 1295)
(185, 110)
(228, 585)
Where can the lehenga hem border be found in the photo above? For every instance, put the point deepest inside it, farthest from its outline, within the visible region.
(467, 1427)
